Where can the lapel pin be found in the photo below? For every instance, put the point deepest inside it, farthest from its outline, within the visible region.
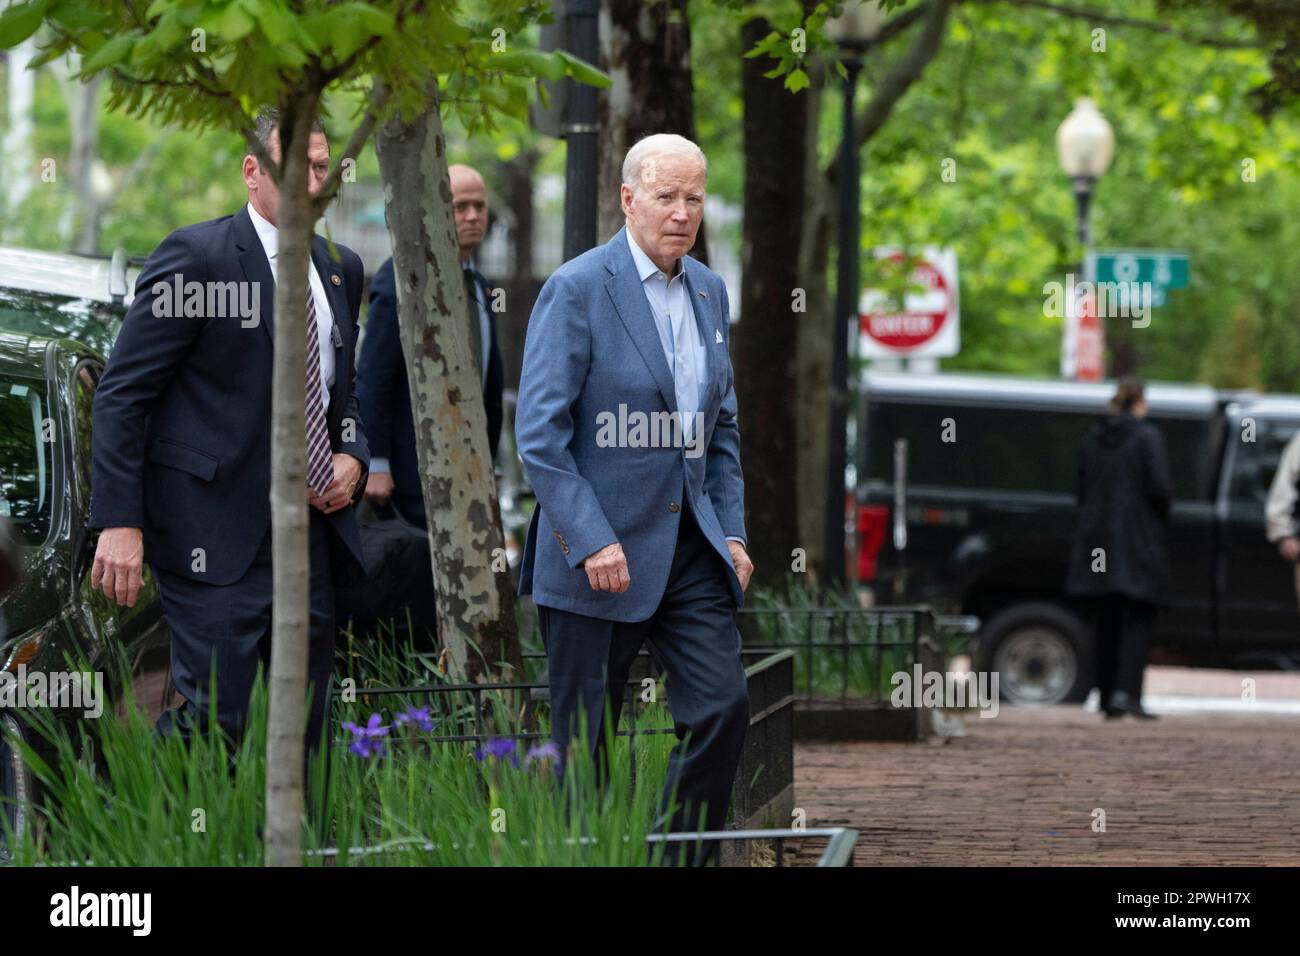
(703, 294)
(335, 279)
(717, 336)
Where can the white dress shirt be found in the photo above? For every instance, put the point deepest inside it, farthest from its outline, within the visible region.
(270, 237)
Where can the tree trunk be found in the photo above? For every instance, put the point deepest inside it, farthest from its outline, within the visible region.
(470, 576)
(519, 174)
(815, 336)
(83, 123)
(291, 581)
(813, 364)
(17, 156)
(646, 50)
(766, 340)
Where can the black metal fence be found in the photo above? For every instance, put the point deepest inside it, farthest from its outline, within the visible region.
(764, 787)
(846, 659)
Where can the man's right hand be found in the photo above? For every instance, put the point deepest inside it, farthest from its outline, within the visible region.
(1289, 548)
(119, 560)
(607, 569)
(379, 487)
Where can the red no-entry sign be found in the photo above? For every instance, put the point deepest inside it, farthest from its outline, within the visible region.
(927, 324)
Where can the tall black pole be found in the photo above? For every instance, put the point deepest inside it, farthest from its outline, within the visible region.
(580, 129)
(846, 310)
(1083, 186)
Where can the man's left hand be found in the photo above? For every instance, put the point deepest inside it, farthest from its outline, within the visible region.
(740, 561)
(347, 472)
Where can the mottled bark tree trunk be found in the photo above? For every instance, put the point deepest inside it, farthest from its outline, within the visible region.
(291, 576)
(470, 575)
(646, 51)
(772, 310)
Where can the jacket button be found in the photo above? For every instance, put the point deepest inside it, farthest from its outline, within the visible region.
(673, 507)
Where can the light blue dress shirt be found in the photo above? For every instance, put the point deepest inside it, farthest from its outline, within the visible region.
(674, 316)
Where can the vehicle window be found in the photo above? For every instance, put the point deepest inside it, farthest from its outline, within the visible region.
(92, 323)
(83, 407)
(1256, 467)
(1012, 449)
(26, 457)
(1188, 446)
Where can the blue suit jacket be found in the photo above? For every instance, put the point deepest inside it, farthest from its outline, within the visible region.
(591, 347)
(385, 396)
(182, 417)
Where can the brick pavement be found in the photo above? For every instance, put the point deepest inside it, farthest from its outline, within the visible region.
(1020, 789)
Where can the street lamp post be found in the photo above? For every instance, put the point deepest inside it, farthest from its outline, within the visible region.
(581, 127)
(853, 31)
(1085, 145)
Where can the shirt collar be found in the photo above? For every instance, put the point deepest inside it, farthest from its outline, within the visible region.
(645, 266)
(268, 233)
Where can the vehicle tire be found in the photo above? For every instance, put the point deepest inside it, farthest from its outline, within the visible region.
(1041, 652)
(17, 786)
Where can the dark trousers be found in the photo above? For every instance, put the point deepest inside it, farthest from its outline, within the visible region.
(230, 625)
(693, 633)
(1123, 634)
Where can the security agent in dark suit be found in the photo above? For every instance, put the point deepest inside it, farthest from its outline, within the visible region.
(381, 372)
(182, 446)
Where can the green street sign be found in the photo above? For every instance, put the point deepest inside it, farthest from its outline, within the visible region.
(1163, 269)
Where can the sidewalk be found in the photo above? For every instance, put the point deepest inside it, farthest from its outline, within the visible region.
(1021, 788)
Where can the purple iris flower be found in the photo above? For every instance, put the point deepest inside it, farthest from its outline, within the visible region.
(367, 741)
(542, 752)
(418, 717)
(502, 748)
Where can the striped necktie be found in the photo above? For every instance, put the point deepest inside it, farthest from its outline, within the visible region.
(320, 462)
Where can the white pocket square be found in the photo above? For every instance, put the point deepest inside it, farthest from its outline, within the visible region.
(717, 336)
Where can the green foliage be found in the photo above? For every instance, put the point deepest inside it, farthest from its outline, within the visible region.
(210, 63)
(145, 801)
(989, 106)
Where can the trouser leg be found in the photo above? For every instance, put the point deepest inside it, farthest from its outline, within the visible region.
(694, 633)
(587, 662)
(216, 631)
(1135, 637)
(1107, 644)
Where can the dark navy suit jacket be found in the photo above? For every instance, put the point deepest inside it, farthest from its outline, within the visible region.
(386, 399)
(182, 416)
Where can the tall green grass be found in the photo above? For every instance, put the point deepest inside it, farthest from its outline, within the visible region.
(118, 794)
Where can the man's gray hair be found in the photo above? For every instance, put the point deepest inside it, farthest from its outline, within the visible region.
(268, 121)
(657, 144)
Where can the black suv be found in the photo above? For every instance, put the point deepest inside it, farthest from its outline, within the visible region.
(965, 499)
(58, 316)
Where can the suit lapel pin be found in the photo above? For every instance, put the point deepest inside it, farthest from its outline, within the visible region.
(703, 294)
(335, 279)
(717, 336)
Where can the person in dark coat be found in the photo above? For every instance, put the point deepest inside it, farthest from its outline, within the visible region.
(1119, 560)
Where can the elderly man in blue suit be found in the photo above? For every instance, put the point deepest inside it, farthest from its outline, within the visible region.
(627, 429)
